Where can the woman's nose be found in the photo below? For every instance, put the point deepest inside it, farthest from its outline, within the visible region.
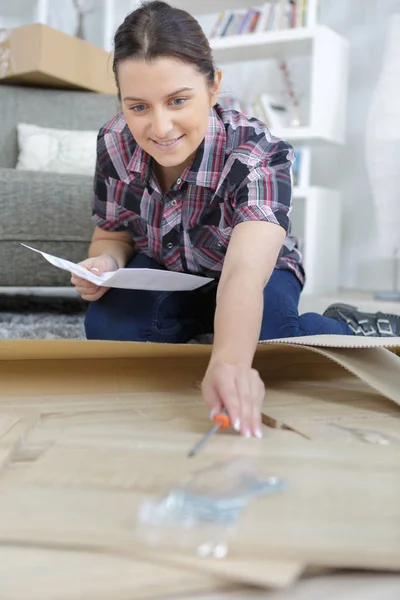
(161, 125)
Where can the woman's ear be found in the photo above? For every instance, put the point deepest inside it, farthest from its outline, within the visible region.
(215, 88)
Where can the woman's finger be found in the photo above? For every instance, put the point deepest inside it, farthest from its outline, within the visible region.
(227, 392)
(246, 401)
(87, 288)
(258, 392)
(85, 291)
(82, 283)
(75, 280)
(211, 398)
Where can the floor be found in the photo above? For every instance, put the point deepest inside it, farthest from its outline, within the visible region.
(363, 300)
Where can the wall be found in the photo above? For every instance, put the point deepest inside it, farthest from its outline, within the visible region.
(364, 23)
(18, 12)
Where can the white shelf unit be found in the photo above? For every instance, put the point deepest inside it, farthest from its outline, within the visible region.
(316, 220)
(329, 59)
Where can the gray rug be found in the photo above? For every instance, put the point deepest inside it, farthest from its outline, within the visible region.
(49, 318)
(29, 318)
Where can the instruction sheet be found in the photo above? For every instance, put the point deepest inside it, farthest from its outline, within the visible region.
(132, 279)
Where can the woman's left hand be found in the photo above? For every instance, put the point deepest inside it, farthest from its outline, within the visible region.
(240, 390)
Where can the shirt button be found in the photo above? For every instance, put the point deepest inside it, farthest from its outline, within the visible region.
(126, 223)
(178, 181)
(219, 244)
(174, 203)
(170, 245)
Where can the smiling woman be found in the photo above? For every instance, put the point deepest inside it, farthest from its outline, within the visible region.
(184, 185)
(166, 105)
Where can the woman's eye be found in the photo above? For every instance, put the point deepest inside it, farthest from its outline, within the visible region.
(138, 108)
(178, 101)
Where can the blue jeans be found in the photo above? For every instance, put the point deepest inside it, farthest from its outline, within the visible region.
(177, 317)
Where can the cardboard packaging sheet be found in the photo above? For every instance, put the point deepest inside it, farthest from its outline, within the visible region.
(89, 431)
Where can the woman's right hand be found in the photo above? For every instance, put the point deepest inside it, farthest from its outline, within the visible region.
(97, 265)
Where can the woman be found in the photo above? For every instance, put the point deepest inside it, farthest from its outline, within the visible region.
(182, 184)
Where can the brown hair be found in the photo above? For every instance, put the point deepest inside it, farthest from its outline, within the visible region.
(156, 30)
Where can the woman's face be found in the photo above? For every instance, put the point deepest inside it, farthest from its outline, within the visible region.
(166, 105)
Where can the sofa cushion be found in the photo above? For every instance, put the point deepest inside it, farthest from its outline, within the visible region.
(45, 206)
(20, 267)
(49, 211)
(52, 150)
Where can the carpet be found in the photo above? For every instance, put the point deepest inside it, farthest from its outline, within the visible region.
(39, 317)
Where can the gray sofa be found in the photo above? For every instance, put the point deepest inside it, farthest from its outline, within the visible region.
(49, 211)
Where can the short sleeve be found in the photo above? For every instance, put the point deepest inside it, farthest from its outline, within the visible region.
(265, 194)
(106, 213)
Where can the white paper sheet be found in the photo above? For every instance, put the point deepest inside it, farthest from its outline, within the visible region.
(132, 279)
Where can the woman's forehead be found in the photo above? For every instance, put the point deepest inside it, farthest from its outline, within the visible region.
(161, 77)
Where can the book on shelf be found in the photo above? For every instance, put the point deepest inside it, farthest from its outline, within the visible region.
(268, 108)
(277, 113)
(271, 16)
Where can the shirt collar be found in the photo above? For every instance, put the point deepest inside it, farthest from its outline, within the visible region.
(140, 163)
(207, 165)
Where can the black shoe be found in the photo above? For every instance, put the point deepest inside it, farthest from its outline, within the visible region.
(361, 323)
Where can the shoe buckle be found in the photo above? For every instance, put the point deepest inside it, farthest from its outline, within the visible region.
(384, 327)
(361, 330)
(366, 327)
(357, 331)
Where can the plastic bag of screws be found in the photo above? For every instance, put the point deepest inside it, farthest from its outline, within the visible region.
(203, 512)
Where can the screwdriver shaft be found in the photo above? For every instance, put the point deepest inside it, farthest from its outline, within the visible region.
(203, 440)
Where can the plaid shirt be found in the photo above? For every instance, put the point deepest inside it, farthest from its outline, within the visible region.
(240, 173)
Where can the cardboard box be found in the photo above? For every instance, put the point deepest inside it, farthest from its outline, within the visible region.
(39, 55)
(90, 430)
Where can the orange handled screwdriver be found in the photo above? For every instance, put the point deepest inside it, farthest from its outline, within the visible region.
(222, 421)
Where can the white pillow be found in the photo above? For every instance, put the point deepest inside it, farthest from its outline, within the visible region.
(56, 150)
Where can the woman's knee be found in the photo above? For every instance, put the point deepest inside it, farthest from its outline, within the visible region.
(107, 320)
(97, 325)
(273, 329)
(281, 297)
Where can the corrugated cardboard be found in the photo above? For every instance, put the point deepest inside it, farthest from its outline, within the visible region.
(41, 56)
(53, 574)
(329, 514)
(108, 424)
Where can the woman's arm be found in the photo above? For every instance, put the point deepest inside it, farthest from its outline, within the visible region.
(230, 380)
(118, 244)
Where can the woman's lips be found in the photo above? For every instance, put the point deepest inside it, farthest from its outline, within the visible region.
(168, 144)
